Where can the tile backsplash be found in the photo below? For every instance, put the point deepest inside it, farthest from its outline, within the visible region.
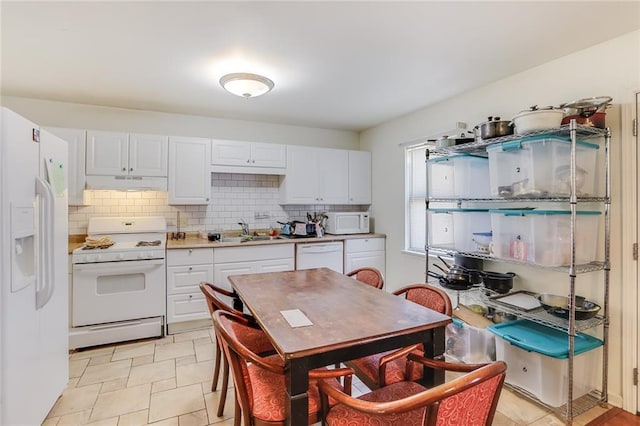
(253, 198)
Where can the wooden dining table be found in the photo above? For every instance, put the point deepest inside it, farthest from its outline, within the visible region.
(335, 319)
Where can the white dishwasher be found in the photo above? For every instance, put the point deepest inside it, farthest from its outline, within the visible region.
(319, 255)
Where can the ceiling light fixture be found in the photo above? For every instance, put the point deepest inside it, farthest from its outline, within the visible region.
(246, 85)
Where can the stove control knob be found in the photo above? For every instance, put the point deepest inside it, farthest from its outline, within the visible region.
(98, 258)
(85, 258)
(140, 255)
(119, 256)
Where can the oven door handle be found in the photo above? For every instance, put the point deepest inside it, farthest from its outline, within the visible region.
(122, 267)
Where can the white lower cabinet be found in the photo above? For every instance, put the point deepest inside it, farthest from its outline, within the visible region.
(186, 269)
(250, 260)
(361, 252)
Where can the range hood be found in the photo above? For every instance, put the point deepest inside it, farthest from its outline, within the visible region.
(127, 183)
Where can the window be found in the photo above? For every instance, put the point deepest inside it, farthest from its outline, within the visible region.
(416, 191)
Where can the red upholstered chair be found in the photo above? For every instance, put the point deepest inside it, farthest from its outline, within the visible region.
(470, 399)
(259, 382)
(368, 275)
(389, 367)
(253, 337)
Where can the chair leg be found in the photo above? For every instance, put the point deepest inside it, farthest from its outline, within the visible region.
(237, 414)
(216, 369)
(225, 385)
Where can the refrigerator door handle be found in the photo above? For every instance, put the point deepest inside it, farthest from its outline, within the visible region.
(46, 220)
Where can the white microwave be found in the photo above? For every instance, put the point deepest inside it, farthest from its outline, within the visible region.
(347, 223)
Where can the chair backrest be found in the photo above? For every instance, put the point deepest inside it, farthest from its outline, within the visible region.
(368, 275)
(470, 400)
(229, 328)
(214, 302)
(428, 296)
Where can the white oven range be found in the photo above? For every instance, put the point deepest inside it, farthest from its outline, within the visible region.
(119, 288)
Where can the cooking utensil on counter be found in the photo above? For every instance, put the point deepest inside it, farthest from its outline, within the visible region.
(493, 128)
(537, 119)
(559, 306)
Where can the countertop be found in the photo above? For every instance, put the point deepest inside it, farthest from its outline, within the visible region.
(193, 241)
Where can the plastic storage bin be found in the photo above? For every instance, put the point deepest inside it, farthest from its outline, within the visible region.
(469, 344)
(536, 357)
(544, 236)
(466, 222)
(441, 232)
(539, 167)
(458, 176)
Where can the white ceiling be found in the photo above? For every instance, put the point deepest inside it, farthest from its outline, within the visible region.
(340, 65)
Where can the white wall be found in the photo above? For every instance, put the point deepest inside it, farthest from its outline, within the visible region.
(79, 116)
(232, 196)
(609, 69)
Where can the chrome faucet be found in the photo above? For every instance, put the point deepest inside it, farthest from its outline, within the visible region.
(245, 227)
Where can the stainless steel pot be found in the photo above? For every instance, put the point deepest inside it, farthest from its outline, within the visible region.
(493, 128)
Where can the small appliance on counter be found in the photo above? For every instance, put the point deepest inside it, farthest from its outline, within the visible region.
(339, 223)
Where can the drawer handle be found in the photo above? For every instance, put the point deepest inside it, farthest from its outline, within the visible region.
(190, 251)
(191, 268)
(191, 296)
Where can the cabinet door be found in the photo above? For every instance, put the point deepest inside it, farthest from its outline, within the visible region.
(268, 155)
(75, 168)
(374, 259)
(222, 270)
(300, 184)
(148, 155)
(359, 177)
(275, 265)
(107, 153)
(189, 176)
(230, 153)
(333, 176)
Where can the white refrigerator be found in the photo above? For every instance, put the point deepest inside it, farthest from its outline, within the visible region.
(33, 269)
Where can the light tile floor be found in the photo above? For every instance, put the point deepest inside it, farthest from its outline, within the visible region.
(167, 382)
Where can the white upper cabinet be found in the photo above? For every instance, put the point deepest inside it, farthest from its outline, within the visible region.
(148, 155)
(333, 176)
(189, 170)
(359, 177)
(77, 148)
(116, 153)
(229, 156)
(315, 176)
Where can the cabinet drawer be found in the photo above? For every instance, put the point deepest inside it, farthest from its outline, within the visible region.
(189, 256)
(186, 279)
(186, 307)
(254, 253)
(364, 244)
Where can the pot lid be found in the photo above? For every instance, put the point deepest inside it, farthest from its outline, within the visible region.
(595, 102)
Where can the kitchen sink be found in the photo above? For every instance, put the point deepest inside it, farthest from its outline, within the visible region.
(258, 238)
(230, 239)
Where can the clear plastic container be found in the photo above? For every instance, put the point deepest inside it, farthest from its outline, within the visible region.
(539, 167)
(458, 176)
(468, 344)
(544, 236)
(466, 222)
(537, 360)
(441, 232)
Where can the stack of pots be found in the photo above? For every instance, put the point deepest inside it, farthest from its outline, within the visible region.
(588, 111)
